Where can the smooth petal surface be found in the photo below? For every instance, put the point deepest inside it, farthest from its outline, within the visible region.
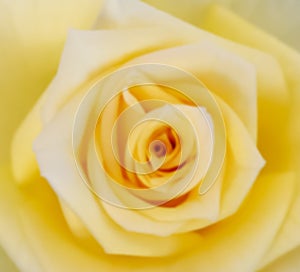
(224, 73)
(32, 36)
(55, 157)
(40, 231)
(289, 262)
(236, 29)
(6, 263)
(274, 16)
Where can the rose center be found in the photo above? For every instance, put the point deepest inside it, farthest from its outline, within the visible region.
(158, 148)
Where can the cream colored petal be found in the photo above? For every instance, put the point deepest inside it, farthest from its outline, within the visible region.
(288, 237)
(56, 162)
(194, 213)
(289, 60)
(223, 72)
(191, 11)
(226, 24)
(34, 234)
(276, 17)
(6, 262)
(25, 168)
(12, 236)
(32, 36)
(100, 52)
(239, 242)
(203, 208)
(124, 30)
(243, 162)
(290, 262)
(272, 90)
(33, 231)
(40, 228)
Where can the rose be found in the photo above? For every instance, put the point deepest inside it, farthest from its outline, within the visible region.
(281, 245)
(73, 225)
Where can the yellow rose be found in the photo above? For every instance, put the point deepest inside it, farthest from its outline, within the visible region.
(149, 178)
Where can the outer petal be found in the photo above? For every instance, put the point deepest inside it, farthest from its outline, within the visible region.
(33, 231)
(225, 73)
(12, 236)
(56, 161)
(232, 245)
(274, 16)
(5, 263)
(289, 262)
(32, 36)
(224, 23)
(33, 218)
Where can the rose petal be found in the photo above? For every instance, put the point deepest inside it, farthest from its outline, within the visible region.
(56, 161)
(289, 262)
(34, 233)
(276, 17)
(243, 165)
(223, 72)
(12, 236)
(42, 230)
(6, 262)
(234, 241)
(32, 36)
(288, 236)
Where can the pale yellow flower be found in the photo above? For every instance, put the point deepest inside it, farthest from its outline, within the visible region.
(246, 221)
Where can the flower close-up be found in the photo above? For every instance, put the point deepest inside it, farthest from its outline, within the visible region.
(150, 135)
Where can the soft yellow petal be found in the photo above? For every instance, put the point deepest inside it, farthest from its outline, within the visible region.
(39, 230)
(32, 34)
(288, 237)
(33, 231)
(234, 242)
(276, 17)
(279, 18)
(228, 25)
(191, 11)
(12, 236)
(6, 263)
(34, 234)
(57, 164)
(243, 162)
(289, 262)
(224, 73)
(25, 168)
